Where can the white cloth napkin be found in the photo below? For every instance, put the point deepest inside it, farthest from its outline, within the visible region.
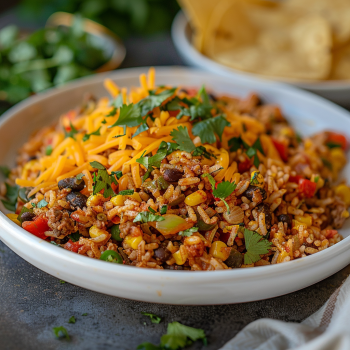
(326, 329)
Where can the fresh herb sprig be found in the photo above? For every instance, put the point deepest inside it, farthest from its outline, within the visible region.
(255, 245)
(146, 216)
(154, 318)
(103, 181)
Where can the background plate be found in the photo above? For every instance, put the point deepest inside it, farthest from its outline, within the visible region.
(307, 113)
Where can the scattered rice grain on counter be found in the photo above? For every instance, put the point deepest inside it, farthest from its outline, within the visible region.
(177, 178)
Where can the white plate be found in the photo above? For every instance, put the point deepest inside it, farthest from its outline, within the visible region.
(337, 91)
(308, 113)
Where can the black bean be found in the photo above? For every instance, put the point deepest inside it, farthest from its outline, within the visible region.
(76, 199)
(172, 175)
(285, 218)
(250, 192)
(265, 208)
(71, 182)
(235, 259)
(27, 216)
(162, 254)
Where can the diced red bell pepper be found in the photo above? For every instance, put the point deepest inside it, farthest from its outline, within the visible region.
(244, 166)
(72, 246)
(38, 227)
(224, 236)
(331, 233)
(337, 138)
(295, 178)
(307, 187)
(281, 149)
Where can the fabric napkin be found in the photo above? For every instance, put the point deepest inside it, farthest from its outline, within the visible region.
(326, 329)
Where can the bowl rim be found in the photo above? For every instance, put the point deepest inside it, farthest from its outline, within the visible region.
(184, 46)
(34, 242)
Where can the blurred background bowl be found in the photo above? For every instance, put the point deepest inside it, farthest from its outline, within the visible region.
(337, 91)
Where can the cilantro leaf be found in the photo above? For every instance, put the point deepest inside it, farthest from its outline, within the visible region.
(97, 165)
(87, 136)
(167, 147)
(189, 232)
(206, 129)
(154, 318)
(151, 162)
(154, 100)
(236, 143)
(60, 332)
(71, 320)
(118, 101)
(143, 127)
(163, 209)
(255, 246)
(130, 115)
(211, 180)
(202, 151)
(5, 170)
(102, 181)
(70, 133)
(118, 174)
(182, 138)
(42, 204)
(74, 237)
(48, 150)
(80, 176)
(11, 197)
(104, 121)
(146, 216)
(151, 210)
(126, 192)
(112, 113)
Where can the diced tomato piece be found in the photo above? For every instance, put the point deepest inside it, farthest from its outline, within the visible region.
(307, 187)
(224, 236)
(72, 246)
(331, 233)
(244, 166)
(38, 227)
(337, 138)
(281, 149)
(295, 178)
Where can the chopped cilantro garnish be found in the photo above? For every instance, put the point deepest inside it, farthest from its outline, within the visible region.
(118, 174)
(118, 101)
(178, 336)
(126, 192)
(331, 144)
(11, 197)
(60, 332)
(71, 320)
(189, 232)
(206, 129)
(104, 121)
(33, 205)
(154, 318)
(151, 210)
(163, 209)
(103, 181)
(151, 162)
(74, 237)
(317, 178)
(183, 140)
(146, 216)
(255, 246)
(112, 113)
(80, 176)
(48, 150)
(87, 136)
(70, 133)
(143, 127)
(221, 190)
(42, 204)
(5, 170)
(202, 151)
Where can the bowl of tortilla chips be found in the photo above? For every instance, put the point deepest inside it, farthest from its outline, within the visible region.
(303, 43)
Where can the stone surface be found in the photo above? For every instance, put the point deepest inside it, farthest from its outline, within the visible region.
(33, 302)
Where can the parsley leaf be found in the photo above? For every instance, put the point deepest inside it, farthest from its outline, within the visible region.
(182, 138)
(42, 204)
(163, 209)
(48, 150)
(154, 318)
(60, 332)
(87, 136)
(206, 129)
(189, 232)
(71, 320)
(126, 192)
(5, 170)
(255, 246)
(146, 216)
(102, 181)
(70, 133)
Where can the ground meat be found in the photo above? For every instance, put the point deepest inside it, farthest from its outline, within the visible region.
(125, 228)
(195, 249)
(60, 222)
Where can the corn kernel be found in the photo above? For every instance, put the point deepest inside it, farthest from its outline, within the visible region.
(196, 198)
(118, 200)
(216, 252)
(281, 256)
(343, 192)
(257, 179)
(14, 218)
(135, 196)
(345, 214)
(296, 224)
(133, 241)
(304, 219)
(287, 131)
(94, 199)
(94, 231)
(180, 256)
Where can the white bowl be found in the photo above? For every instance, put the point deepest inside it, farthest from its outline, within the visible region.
(308, 113)
(336, 90)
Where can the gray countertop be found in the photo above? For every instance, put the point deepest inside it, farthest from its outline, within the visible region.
(33, 302)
